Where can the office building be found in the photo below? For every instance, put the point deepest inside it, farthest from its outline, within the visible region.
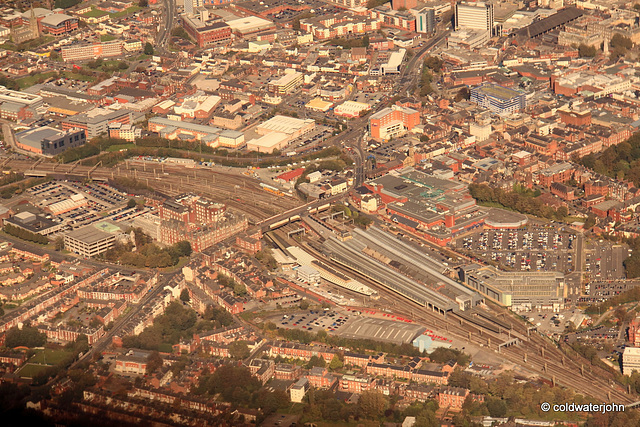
(49, 141)
(206, 33)
(83, 51)
(190, 6)
(287, 83)
(426, 20)
(498, 99)
(393, 121)
(96, 122)
(539, 290)
(474, 16)
(630, 360)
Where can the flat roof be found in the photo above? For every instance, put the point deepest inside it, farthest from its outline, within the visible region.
(88, 234)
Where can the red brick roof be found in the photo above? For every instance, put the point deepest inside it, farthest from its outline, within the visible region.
(291, 175)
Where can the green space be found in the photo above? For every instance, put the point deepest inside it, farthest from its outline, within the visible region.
(120, 147)
(107, 38)
(126, 12)
(50, 357)
(30, 370)
(77, 76)
(25, 82)
(95, 13)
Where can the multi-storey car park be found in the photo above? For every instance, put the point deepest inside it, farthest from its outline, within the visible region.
(401, 268)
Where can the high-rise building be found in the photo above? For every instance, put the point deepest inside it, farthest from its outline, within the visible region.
(474, 16)
(426, 20)
(190, 6)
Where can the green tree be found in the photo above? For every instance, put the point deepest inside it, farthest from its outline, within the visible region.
(497, 407)
(618, 40)
(131, 203)
(154, 362)
(372, 404)
(239, 350)
(184, 295)
(304, 304)
(586, 51)
(28, 336)
(434, 64)
(316, 361)
(59, 243)
(336, 363)
(148, 49)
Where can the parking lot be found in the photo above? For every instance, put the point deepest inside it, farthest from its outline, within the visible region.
(533, 249)
(103, 202)
(349, 325)
(603, 261)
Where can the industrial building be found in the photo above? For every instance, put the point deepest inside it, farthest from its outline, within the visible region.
(351, 109)
(521, 291)
(49, 141)
(499, 99)
(289, 126)
(212, 136)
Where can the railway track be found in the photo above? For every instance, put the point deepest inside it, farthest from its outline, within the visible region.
(553, 366)
(242, 194)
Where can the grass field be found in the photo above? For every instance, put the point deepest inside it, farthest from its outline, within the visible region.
(95, 13)
(127, 11)
(107, 38)
(120, 147)
(52, 357)
(77, 76)
(29, 81)
(30, 370)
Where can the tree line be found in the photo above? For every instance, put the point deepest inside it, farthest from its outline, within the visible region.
(523, 202)
(147, 254)
(23, 234)
(621, 161)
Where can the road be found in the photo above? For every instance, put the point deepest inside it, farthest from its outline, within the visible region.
(165, 32)
(104, 342)
(353, 137)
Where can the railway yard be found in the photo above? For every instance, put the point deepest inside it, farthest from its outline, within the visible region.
(238, 191)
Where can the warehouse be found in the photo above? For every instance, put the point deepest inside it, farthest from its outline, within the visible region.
(289, 126)
(49, 141)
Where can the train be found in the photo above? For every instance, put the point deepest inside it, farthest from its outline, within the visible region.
(271, 189)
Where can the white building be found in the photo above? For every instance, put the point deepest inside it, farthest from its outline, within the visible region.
(630, 360)
(299, 389)
(351, 109)
(474, 16)
(308, 274)
(191, 5)
(289, 126)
